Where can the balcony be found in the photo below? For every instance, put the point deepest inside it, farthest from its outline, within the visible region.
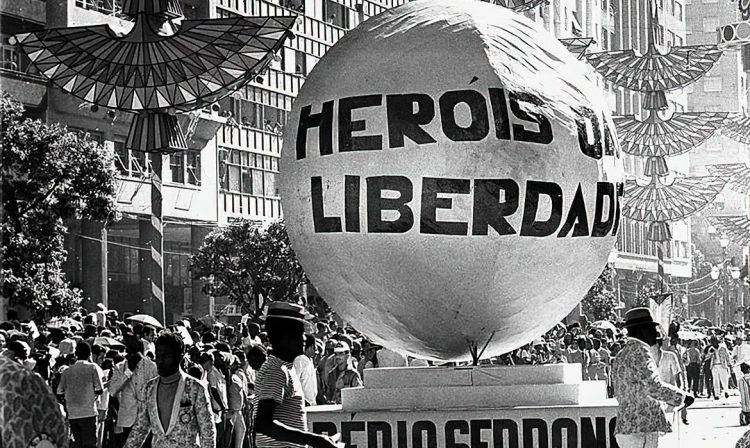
(281, 82)
(26, 10)
(18, 77)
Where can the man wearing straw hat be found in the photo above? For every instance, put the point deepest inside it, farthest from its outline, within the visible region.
(280, 419)
(638, 388)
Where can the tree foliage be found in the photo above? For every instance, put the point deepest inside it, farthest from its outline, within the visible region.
(249, 265)
(600, 302)
(49, 175)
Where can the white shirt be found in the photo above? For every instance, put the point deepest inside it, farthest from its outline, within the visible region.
(305, 369)
(669, 367)
(742, 354)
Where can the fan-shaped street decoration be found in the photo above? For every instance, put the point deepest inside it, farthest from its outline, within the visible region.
(577, 45)
(654, 72)
(663, 202)
(737, 175)
(736, 228)
(655, 137)
(520, 5)
(161, 66)
(155, 68)
(737, 127)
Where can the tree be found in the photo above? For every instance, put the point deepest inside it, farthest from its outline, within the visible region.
(600, 302)
(49, 175)
(249, 265)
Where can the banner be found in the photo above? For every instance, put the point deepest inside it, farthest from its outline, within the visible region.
(574, 427)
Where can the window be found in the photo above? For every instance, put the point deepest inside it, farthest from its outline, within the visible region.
(605, 39)
(193, 168)
(177, 167)
(122, 158)
(300, 63)
(710, 24)
(712, 84)
(336, 14)
(138, 164)
(678, 11)
(249, 173)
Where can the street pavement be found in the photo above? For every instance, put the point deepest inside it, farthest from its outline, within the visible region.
(711, 424)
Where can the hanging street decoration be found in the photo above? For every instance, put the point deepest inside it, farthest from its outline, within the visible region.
(520, 6)
(737, 175)
(736, 228)
(655, 137)
(153, 71)
(162, 66)
(577, 45)
(676, 201)
(653, 73)
(737, 127)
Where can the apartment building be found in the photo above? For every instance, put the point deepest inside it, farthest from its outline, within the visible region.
(723, 89)
(234, 175)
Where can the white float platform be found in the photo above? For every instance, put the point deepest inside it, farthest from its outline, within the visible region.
(462, 407)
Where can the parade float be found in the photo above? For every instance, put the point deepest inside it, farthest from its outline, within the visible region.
(451, 182)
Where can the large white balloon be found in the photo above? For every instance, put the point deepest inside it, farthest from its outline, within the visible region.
(451, 179)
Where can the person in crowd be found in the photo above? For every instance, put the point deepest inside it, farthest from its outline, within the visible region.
(720, 364)
(280, 419)
(369, 357)
(577, 355)
(80, 385)
(638, 387)
(148, 335)
(322, 331)
(740, 354)
(743, 384)
(305, 369)
(217, 389)
(708, 378)
(177, 410)
(237, 400)
(341, 376)
(28, 409)
(670, 369)
(693, 368)
(128, 384)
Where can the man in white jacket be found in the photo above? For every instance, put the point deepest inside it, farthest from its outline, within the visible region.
(305, 369)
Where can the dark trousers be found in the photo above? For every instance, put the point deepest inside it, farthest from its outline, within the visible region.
(709, 381)
(122, 437)
(693, 378)
(84, 432)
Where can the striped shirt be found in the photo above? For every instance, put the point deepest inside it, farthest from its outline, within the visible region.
(744, 387)
(277, 381)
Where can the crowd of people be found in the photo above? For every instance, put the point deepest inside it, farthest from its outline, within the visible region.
(100, 366)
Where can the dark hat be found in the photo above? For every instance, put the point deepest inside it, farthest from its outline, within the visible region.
(285, 310)
(639, 316)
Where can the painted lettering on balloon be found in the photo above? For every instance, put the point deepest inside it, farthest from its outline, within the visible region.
(495, 107)
(390, 207)
(586, 432)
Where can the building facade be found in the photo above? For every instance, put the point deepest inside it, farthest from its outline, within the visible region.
(234, 175)
(723, 89)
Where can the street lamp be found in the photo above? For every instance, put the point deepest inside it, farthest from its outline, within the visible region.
(724, 241)
(715, 272)
(735, 272)
(686, 303)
